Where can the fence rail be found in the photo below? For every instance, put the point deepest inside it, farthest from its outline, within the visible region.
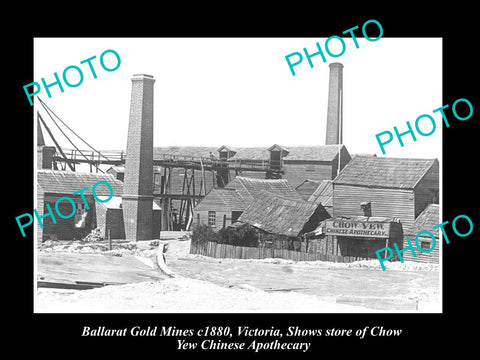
(224, 251)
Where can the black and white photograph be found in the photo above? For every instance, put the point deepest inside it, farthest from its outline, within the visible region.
(304, 188)
(234, 185)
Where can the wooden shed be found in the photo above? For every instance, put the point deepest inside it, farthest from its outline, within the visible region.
(223, 206)
(287, 218)
(296, 163)
(53, 185)
(250, 187)
(399, 188)
(314, 163)
(424, 222)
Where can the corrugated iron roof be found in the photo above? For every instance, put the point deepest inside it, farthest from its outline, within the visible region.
(231, 197)
(402, 173)
(183, 151)
(250, 187)
(312, 153)
(68, 182)
(318, 153)
(427, 219)
(121, 169)
(278, 215)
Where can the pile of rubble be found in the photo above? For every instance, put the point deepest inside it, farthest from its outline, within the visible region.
(118, 248)
(95, 243)
(94, 236)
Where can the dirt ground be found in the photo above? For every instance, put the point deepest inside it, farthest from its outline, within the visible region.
(202, 284)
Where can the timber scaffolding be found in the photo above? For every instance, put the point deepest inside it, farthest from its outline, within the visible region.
(117, 157)
(191, 194)
(168, 190)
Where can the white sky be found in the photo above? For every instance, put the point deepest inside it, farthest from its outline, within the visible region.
(240, 91)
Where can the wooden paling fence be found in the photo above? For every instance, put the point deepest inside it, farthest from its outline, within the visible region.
(224, 251)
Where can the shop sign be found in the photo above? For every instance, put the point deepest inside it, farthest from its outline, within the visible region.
(356, 228)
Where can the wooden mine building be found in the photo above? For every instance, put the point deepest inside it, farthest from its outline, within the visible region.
(55, 184)
(375, 201)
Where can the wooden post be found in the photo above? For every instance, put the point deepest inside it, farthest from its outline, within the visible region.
(98, 164)
(224, 220)
(90, 162)
(182, 201)
(203, 180)
(165, 209)
(193, 187)
(109, 235)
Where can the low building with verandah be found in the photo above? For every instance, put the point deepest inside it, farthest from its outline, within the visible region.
(354, 238)
(375, 199)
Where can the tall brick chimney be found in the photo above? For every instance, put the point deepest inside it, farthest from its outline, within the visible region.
(335, 105)
(137, 198)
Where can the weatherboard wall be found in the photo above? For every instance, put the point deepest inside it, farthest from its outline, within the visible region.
(298, 171)
(427, 189)
(424, 222)
(391, 203)
(224, 202)
(431, 257)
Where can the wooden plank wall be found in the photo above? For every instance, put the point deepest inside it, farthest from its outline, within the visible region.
(218, 218)
(427, 190)
(213, 202)
(40, 202)
(432, 257)
(325, 245)
(298, 173)
(222, 251)
(344, 160)
(391, 203)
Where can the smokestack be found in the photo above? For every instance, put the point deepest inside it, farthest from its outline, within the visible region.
(137, 198)
(335, 105)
